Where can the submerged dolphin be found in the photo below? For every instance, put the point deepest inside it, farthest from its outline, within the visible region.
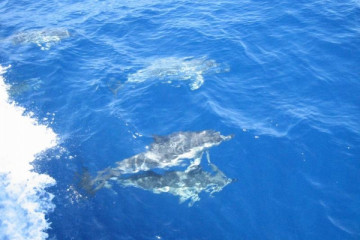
(25, 86)
(171, 68)
(186, 184)
(44, 38)
(165, 152)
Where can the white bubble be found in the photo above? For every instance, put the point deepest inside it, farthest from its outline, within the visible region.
(22, 191)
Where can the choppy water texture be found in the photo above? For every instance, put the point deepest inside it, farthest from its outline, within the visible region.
(106, 76)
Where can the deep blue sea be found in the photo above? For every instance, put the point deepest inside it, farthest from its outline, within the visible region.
(108, 77)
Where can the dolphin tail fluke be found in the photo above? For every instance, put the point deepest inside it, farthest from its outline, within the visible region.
(85, 182)
(103, 177)
(115, 89)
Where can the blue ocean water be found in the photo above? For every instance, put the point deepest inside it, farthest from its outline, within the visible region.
(106, 76)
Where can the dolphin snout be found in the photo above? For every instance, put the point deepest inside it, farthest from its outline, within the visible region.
(228, 137)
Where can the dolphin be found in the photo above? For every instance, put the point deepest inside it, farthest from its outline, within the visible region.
(172, 68)
(44, 38)
(187, 185)
(24, 86)
(176, 149)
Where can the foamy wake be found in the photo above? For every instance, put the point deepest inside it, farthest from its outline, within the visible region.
(23, 199)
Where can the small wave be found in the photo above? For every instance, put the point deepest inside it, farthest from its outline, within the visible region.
(338, 224)
(236, 118)
(23, 199)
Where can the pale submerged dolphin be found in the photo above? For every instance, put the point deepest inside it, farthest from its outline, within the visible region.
(32, 84)
(176, 69)
(176, 149)
(44, 38)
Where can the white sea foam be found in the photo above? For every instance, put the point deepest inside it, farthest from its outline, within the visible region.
(23, 199)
